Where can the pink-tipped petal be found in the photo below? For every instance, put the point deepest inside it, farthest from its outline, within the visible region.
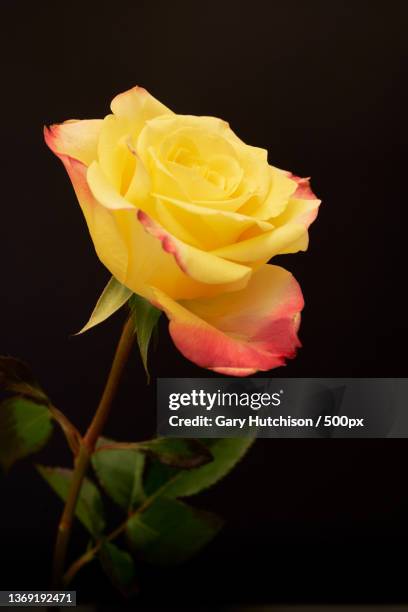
(241, 332)
(199, 265)
(77, 139)
(304, 190)
(102, 224)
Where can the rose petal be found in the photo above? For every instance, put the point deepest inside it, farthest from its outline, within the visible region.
(163, 182)
(104, 191)
(281, 188)
(207, 227)
(78, 139)
(199, 265)
(288, 236)
(114, 155)
(242, 332)
(137, 103)
(102, 224)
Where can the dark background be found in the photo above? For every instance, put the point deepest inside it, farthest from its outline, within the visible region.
(322, 86)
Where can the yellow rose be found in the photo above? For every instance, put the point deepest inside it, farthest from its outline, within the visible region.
(185, 214)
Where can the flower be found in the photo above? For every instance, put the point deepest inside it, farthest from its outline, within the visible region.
(185, 214)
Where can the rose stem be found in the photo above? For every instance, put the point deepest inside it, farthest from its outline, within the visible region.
(87, 447)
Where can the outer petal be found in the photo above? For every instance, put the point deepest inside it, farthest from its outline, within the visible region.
(288, 236)
(137, 103)
(78, 139)
(242, 332)
(106, 234)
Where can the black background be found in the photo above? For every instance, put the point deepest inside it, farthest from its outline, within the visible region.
(322, 86)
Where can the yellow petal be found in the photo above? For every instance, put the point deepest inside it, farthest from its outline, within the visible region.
(207, 227)
(131, 110)
(104, 191)
(264, 246)
(199, 265)
(114, 155)
(193, 158)
(281, 188)
(157, 130)
(78, 139)
(137, 104)
(109, 243)
(165, 184)
(288, 236)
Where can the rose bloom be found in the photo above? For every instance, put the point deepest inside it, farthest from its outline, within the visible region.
(185, 214)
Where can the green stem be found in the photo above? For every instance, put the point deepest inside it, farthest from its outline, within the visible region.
(87, 447)
(65, 524)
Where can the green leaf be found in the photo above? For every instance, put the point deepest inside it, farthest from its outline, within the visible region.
(113, 297)
(170, 531)
(89, 509)
(145, 317)
(25, 427)
(226, 453)
(159, 475)
(17, 377)
(120, 473)
(119, 567)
